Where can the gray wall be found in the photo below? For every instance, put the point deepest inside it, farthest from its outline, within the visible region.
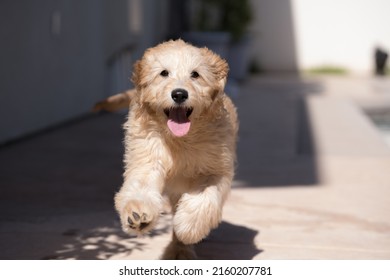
(49, 74)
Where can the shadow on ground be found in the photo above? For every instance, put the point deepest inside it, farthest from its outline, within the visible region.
(75, 168)
(229, 242)
(52, 180)
(276, 146)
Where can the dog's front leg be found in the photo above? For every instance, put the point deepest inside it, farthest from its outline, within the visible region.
(200, 211)
(139, 202)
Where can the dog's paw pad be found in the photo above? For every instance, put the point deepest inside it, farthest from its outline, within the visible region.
(143, 225)
(138, 222)
(137, 216)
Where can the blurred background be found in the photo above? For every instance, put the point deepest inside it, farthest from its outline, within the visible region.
(59, 57)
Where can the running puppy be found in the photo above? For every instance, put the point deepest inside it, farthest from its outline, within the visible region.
(180, 141)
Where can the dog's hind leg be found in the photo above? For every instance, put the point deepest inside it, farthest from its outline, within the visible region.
(115, 102)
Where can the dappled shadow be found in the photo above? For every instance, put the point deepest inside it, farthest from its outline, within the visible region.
(229, 242)
(97, 243)
(276, 145)
(105, 242)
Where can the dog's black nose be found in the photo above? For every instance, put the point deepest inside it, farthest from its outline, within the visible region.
(179, 95)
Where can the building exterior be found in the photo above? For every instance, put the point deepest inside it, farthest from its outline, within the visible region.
(59, 57)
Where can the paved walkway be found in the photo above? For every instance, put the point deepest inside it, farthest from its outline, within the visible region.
(313, 181)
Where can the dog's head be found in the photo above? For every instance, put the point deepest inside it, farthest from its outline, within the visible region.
(179, 83)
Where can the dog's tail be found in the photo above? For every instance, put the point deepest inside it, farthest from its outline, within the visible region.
(115, 102)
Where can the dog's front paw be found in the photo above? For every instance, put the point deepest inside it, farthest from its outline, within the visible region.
(137, 216)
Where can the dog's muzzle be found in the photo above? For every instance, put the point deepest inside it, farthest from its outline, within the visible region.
(178, 115)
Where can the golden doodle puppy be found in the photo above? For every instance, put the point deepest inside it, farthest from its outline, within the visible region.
(180, 140)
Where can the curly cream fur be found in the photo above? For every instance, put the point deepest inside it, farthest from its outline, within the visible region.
(195, 171)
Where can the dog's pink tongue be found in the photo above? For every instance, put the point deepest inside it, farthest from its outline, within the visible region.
(178, 123)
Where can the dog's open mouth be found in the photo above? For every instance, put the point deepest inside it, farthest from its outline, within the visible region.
(178, 120)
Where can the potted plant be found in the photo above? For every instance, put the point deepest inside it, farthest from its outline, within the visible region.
(206, 28)
(236, 19)
(221, 25)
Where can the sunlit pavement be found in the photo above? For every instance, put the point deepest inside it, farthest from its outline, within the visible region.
(313, 181)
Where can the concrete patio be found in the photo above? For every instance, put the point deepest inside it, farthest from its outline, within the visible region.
(313, 181)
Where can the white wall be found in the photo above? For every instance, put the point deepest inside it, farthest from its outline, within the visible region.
(312, 33)
(342, 32)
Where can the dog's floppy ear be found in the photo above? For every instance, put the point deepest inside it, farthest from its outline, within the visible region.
(217, 66)
(142, 72)
(137, 73)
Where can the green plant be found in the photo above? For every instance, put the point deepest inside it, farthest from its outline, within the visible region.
(232, 16)
(328, 69)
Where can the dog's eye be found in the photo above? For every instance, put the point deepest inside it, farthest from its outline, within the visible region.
(194, 74)
(164, 73)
